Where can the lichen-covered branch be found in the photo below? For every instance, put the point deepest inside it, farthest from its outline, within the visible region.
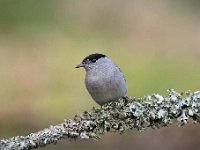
(153, 111)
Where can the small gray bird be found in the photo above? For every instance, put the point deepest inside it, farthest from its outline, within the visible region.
(104, 80)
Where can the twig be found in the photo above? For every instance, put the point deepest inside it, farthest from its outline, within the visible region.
(153, 111)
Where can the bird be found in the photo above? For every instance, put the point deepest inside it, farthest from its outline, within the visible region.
(104, 80)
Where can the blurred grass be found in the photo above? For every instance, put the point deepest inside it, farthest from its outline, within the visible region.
(156, 44)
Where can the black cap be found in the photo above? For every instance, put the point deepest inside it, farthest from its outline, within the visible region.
(93, 57)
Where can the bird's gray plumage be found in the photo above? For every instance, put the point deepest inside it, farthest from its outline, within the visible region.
(104, 80)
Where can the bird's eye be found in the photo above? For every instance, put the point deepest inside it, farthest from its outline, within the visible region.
(94, 60)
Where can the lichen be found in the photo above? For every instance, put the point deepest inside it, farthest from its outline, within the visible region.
(153, 111)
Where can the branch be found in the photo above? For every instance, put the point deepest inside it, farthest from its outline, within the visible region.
(153, 111)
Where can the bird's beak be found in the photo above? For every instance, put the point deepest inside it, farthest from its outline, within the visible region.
(80, 65)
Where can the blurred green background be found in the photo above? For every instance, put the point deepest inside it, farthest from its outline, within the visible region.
(155, 43)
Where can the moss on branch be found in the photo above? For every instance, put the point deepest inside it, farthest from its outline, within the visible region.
(153, 111)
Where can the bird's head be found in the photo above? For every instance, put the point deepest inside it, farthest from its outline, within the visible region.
(90, 61)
